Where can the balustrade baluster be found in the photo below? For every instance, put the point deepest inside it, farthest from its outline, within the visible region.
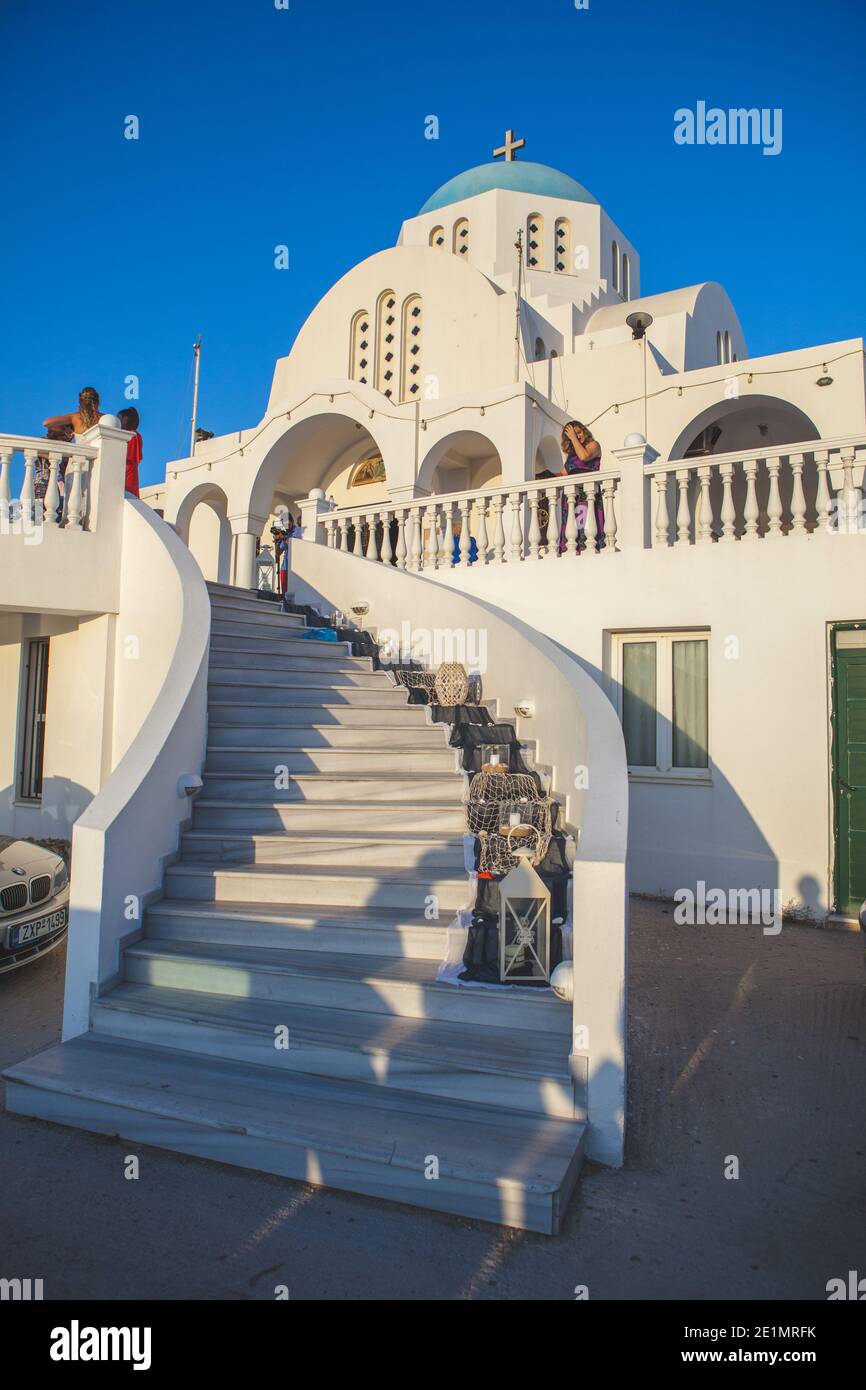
(481, 538)
(534, 528)
(684, 511)
(608, 492)
(400, 514)
(798, 496)
(498, 531)
(415, 540)
(444, 555)
(372, 551)
(551, 545)
(465, 534)
(570, 504)
(51, 504)
(330, 522)
(823, 500)
(774, 504)
(590, 529)
(344, 533)
(74, 492)
(515, 502)
(28, 490)
(387, 553)
(849, 512)
(729, 513)
(5, 492)
(431, 551)
(750, 510)
(704, 507)
(358, 523)
(662, 526)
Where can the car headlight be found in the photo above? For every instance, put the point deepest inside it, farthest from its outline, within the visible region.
(61, 877)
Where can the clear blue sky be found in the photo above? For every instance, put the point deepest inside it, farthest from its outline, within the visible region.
(261, 126)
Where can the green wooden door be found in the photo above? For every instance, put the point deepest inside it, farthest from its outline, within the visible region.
(849, 687)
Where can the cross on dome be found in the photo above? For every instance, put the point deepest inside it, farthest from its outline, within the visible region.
(509, 147)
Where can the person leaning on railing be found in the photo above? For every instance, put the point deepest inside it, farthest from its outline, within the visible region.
(582, 455)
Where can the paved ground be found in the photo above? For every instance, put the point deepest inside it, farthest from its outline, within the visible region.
(740, 1045)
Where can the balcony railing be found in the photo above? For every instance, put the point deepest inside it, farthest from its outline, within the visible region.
(554, 519)
(795, 490)
(66, 500)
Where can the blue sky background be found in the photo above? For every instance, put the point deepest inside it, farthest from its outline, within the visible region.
(306, 127)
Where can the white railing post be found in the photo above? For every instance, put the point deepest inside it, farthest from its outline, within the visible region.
(400, 514)
(662, 521)
(729, 514)
(750, 511)
(387, 553)
(850, 494)
(74, 509)
(498, 531)
(371, 552)
(611, 525)
(684, 514)
(415, 545)
(823, 500)
(590, 530)
(774, 503)
(5, 491)
(465, 534)
(516, 528)
(51, 501)
(430, 556)
(798, 496)
(534, 528)
(28, 490)
(570, 503)
(481, 539)
(704, 517)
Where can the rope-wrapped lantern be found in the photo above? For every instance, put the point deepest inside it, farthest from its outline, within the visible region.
(452, 684)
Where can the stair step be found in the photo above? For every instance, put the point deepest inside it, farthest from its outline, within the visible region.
(306, 713)
(506, 1067)
(319, 849)
(350, 761)
(292, 676)
(246, 617)
(493, 1164)
(443, 788)
(332, 661)
(340, 883)
(258, 816)
(264, 732)
(341, 980)
(276, 644)
(316, 927)
(288, 694)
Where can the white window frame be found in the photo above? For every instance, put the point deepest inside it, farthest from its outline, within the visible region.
(664, 771)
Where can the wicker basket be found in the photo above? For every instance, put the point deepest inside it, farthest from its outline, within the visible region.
(452, 684)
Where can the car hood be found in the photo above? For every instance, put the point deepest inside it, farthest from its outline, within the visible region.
(19, 854)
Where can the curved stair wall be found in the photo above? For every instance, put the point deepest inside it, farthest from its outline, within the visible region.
(121, 842)
(578, 737)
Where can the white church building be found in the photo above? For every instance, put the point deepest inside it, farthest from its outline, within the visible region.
(687, 672)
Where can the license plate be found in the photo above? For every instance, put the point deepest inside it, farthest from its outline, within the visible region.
(43, 926)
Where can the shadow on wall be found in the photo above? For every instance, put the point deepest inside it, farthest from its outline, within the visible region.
(53, 816)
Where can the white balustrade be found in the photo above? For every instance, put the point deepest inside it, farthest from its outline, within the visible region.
(795, 490)
(47, 497)
(469, 528)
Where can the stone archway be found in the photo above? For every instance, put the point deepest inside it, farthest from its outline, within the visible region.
(202, 522)
(462, 460)
(321, 451)
(748, 423)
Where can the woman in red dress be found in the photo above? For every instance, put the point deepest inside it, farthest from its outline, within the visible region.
(129, 421)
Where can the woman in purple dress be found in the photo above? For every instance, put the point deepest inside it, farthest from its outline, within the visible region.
(582, 455)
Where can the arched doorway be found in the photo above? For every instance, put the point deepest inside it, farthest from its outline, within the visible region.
(462, 460)
(202, 522)
(748, 423)
(331, 451)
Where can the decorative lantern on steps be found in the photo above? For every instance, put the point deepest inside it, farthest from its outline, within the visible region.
(524, 915)
(265, 570)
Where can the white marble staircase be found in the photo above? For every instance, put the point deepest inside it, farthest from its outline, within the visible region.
(295, 914)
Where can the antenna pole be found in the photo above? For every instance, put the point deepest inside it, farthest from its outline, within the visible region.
(519, 245)
(196, 347)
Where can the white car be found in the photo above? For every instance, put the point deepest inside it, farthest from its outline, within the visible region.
(34, 902)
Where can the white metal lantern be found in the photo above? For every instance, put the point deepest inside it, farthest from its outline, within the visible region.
(524, 922)
(265, 570)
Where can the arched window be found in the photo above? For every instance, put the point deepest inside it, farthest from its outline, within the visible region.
(460, 243)
(410, 347)
(437, 236)
(615, 261)
(625, 286)
(360, 349)
(562, 245)
(386, 343)
(535, 241)
(729, 347)
(540, 350)
(369, 470)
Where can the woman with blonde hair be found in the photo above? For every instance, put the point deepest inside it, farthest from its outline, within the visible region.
(82, 419)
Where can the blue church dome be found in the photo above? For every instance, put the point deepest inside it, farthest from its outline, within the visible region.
(515, 175)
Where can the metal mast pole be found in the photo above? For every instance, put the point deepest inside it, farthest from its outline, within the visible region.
(519, 245)
(196, 347)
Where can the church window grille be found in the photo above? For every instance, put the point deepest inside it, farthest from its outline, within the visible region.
(562, 244)
(719, 355)
(626, 277)
(729, 347)
(358, 346)
(460, 238)
(535, 241)
(412, 320)
(384, 318)
(615, 264)
(437, 236)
